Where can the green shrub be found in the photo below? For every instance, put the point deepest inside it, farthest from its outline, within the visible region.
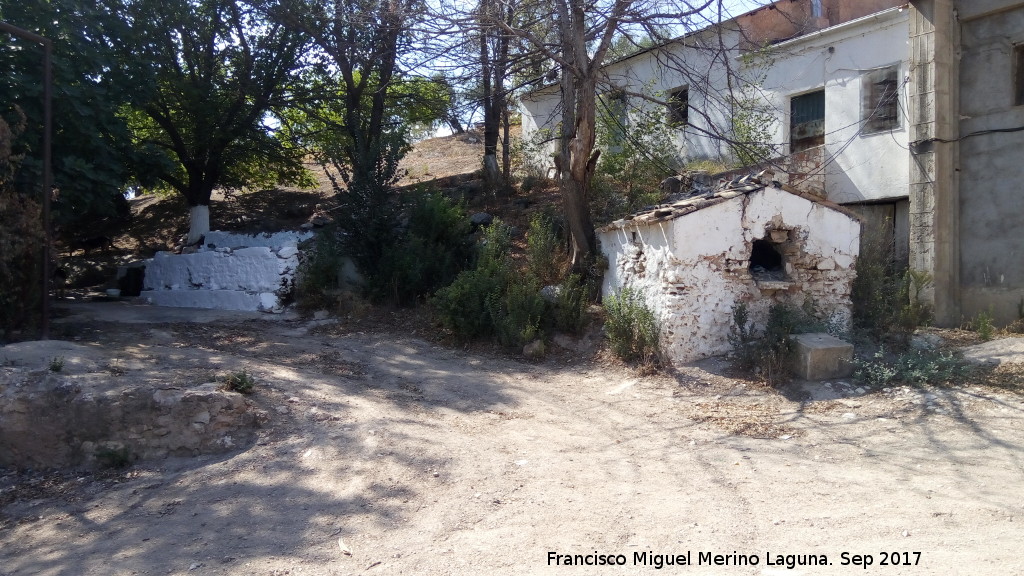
(317, 279)
(570, 306)
(769, 353)
(545, 255)
(56, 364)
(911, 367)
(982, 324)
(914, 311)
(111, 458)
(465, 306)
(428, 255)
(516, 312)
(240, 381)
(887, 299)
(638, 153)
(631, 327)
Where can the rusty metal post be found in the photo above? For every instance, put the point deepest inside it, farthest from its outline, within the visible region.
(47, 46)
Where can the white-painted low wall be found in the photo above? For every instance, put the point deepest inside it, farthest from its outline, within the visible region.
(218, 239)
(230, 272)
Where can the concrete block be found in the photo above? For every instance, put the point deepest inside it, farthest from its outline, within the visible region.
(821, 357)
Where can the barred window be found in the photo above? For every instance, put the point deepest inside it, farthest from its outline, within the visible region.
(806, 121)
(880, 109)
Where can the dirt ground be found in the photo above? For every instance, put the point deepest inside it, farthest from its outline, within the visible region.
(389, 454)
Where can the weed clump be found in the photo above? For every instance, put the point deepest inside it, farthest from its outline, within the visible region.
(913, 367)
(631, 327)
(888, 299)
(240, 381)
(768, 353)
(113, 457)
(427, 255)
(492, 299)
(56, 364)
(983, 325)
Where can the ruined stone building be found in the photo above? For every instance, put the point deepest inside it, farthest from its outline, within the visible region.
(752, 242)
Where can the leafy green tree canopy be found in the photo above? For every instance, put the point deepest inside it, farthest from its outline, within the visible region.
(214, 70)
(92, 152)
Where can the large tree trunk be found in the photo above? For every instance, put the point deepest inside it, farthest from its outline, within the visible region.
(506, 146)
(578, 157)
(199, 223)
(198, 192)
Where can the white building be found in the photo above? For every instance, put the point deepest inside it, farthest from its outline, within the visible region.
(696, 259)
(831, 87)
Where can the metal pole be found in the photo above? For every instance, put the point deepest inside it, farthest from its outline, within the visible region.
(47, 181)
(47, 158)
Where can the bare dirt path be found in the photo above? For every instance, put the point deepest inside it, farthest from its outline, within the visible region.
(426, 460)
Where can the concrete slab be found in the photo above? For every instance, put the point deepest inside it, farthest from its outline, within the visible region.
(822, 356)
(996, 352)
(219, 299)
(137, 312)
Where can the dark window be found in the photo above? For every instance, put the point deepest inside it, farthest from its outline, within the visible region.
(880, 108)
(679, 107)
(807, 121)
(766, 262)
(1018, 81)
(616, 106)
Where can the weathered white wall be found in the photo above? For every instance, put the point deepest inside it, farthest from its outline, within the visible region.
(217, 239)
(230, 276)
(694, 269)
(864, 167)
(540, 117)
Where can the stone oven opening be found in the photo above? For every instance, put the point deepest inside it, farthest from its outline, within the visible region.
(766, 263)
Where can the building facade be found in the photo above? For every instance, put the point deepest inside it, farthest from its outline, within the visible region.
(967, 138)
(823, 82)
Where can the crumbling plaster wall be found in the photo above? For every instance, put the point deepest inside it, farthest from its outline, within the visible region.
(693, 270)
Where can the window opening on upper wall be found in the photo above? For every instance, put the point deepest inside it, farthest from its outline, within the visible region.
(879, 108)
(1018, 77)
(765, 262)
(807, 121)
(679, 107)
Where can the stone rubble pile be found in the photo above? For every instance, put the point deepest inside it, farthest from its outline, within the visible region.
(52, 420)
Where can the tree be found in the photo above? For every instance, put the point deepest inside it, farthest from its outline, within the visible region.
(585, 31)
(215, 69)
(92, 151)
(21, 234)
(495, 44)
(360, 41)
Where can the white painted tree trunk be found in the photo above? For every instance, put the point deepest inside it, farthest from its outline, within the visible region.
(199, 224)
(491, 168)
